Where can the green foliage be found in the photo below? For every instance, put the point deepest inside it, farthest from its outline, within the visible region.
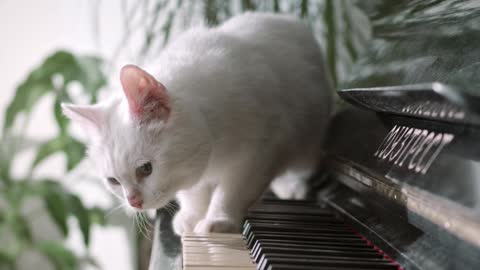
(69, 68)
(73, 149)
(51, 78)
(82, 214)
(6, 261)
(329, 19)
(97, 216)
(62, 258)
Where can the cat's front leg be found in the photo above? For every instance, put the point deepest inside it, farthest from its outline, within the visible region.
(229, 204)
(193, 207)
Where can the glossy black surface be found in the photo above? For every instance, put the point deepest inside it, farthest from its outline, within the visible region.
(433, 101)
(439, 207)
(421, 41)
(454, 173)
(406, 167)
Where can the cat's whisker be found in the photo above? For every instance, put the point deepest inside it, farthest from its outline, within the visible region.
(142, 226)
(137, 223)
(147, 222)
(116, 208)
(148, 228)
(170, 208)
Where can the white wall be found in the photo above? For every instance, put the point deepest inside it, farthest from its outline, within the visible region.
(29, 31)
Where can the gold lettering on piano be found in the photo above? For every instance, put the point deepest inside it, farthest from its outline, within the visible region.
(412, 148)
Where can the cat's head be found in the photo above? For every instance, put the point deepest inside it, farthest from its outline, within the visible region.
(146, 144)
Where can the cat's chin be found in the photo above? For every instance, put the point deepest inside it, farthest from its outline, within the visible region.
(155, 205)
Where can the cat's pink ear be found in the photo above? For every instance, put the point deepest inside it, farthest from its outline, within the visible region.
(147, 98)
(90, 116)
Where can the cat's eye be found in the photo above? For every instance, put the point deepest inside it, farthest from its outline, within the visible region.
(113, 181)
(144, 170)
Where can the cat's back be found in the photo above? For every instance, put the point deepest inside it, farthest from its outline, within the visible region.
(255, 26)
(264, 57)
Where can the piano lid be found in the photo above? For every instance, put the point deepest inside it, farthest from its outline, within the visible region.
(423, 60)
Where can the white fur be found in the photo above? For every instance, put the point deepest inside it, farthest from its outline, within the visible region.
(250, 99)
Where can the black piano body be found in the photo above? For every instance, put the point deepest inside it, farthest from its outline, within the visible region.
(407, 149)
(403, 156)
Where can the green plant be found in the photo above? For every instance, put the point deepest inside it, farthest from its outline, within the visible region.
(51, 78)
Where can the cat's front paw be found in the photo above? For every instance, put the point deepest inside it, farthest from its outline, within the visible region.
(217, 225)
(184, 222)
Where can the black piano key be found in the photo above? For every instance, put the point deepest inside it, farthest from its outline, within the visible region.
(304, 238)
(327, 263)
(252, 237)
(299, 224)
(300, 235)
(259, 245)
(286, 201)
(319, 252)
(324, 222)
(308, 267)
(302, 212)
(291, 211)
(333, 245)
(258, 226)
(347, 243)
(305, 256)
(290, 216)
(322, 261)
(312, 230)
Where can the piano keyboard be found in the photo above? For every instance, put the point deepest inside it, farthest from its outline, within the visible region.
(285, 234)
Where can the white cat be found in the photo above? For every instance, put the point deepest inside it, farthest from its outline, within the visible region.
(227, 110)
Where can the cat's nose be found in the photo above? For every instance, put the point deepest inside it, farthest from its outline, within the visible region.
(135, 200)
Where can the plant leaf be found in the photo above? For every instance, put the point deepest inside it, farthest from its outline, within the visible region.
(56, 206)
(81, 213)
(21, 229)
(61, 257)
(75, 152)
(49, 148)
(211, 12)
(84, 69)
(61, 204)
(62, 121)
(331, 38)
(248, 5)
(73, 149)
(6, 260)
(90, 75)
(27, 94)
(304, 8)
(97, 216)
(276, 6)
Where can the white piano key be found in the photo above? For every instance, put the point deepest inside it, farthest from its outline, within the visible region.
(215, 251)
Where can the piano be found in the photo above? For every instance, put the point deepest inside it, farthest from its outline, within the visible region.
(400, 186)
